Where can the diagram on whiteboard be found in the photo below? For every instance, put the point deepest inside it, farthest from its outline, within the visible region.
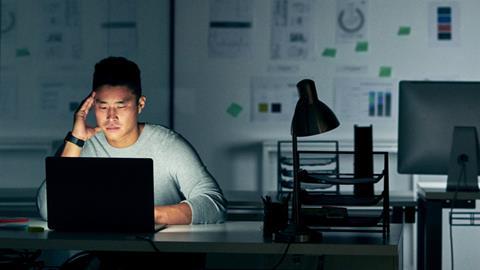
(291, 32)
(351, 20)
(61, 41)
(8, 32)
(444, 24)
(8, 94)
(230, 28)
(273, 99)
(120, 28)
(365, 101)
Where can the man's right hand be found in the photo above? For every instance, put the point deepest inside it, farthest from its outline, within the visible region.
(81, 129)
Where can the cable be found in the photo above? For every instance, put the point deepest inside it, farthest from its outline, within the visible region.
(74, 258)
(462, 177)
(20, 258)
(149, 241)
(283, 255)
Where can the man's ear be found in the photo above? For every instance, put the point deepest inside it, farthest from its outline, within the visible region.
(141, 103)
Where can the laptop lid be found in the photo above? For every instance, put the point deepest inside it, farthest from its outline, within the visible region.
(100, 194)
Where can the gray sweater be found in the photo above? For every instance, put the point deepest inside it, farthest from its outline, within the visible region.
(179, 175)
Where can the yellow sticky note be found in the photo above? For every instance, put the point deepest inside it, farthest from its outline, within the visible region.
(263, 107)
(362, 46)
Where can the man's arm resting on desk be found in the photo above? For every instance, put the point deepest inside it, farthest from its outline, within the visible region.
(173, 214)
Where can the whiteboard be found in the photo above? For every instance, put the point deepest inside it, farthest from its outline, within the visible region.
(208, 81)
(49, 49)
(48, 52)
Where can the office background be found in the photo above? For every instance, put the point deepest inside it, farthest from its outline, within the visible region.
(225, 73)
(48, 52)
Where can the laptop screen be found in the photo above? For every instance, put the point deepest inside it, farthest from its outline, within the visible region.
(100, 194)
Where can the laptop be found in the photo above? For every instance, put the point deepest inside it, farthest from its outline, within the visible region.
(100, 194)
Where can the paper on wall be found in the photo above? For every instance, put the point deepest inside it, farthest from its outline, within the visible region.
(273, 99)
(351, 21)
(230, 28)
(365, 101)
(292, 30)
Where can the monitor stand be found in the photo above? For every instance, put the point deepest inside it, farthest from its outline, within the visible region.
(463, 166)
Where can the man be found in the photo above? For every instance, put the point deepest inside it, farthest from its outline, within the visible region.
(185, 193)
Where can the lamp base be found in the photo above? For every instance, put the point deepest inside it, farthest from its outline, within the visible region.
(296, 233)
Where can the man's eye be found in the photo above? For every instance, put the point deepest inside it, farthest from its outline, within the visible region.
(103, 108)
(121, 106)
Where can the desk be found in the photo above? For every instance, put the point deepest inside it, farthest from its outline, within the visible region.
(238, 237)
(431, 200)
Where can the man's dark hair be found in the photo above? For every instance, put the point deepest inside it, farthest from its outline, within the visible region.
(117, 71)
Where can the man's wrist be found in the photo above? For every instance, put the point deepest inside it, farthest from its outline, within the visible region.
(73, 139)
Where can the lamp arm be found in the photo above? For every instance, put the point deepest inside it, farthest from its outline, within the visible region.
(296, 182)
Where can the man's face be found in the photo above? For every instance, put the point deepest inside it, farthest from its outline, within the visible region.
(116, 111)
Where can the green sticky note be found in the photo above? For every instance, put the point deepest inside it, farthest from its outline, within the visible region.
(404, 30)
(385, 71)
(329, 52)
(362, 46)
(234, 109)
(23, 52)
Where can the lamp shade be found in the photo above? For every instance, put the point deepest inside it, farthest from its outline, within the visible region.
(311, 116)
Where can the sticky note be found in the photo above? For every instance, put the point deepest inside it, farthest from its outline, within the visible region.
(329, 52)
(263, 107)
(362, 46)
(404, 30)
(234, 109)
(385, 71)
(276, 107)
(35, 229)
(22, 52)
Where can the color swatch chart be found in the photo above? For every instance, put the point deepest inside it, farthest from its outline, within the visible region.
(379, 104)
(444, 23)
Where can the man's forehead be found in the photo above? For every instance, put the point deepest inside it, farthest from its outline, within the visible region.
(114, 94)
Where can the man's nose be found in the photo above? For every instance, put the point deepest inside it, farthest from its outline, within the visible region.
(112, 113)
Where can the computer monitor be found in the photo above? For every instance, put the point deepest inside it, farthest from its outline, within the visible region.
(429, 113)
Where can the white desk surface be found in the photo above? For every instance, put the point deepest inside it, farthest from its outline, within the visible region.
(230, 237)
(437, 191)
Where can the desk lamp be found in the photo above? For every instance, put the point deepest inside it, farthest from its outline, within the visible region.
(311, 117)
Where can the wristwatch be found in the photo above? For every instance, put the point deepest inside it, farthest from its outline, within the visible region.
(70, 138)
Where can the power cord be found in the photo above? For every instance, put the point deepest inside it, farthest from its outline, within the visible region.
(462, 160)
(20, 258)
(150, 241)
(283, 255)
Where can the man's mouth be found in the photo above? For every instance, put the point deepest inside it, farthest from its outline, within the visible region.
(112, 128)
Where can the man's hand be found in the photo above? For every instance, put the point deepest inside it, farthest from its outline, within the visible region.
(81, 129)
(173, 214)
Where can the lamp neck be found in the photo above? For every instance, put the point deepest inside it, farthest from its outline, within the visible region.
(296, 182)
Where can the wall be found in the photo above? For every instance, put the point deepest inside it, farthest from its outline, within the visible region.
(207, 84)
(402, 45)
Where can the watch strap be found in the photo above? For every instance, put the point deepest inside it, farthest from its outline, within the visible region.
(70, 138)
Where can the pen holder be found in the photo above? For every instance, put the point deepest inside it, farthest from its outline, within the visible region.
(275, 217)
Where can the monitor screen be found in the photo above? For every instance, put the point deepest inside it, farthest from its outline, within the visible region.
(428, 113)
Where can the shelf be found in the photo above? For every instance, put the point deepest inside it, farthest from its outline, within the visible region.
(340, 179)
(324, 198)
(287, 186)
(326, 181)
(322, 217)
